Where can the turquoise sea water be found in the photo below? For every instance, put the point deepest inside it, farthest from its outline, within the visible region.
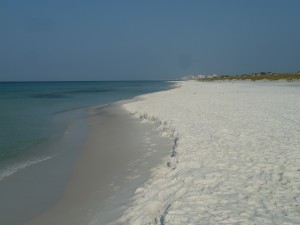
(33, 114)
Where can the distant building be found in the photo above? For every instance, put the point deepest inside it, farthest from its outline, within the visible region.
(198, 77)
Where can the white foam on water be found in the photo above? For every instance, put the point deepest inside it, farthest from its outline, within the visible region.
(15, 167)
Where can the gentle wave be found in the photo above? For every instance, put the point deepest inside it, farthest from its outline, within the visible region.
(13, 168)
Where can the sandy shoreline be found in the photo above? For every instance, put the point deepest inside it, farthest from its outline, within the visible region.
(31, 190)
(230, 156)
(117, 157)
(237, 157)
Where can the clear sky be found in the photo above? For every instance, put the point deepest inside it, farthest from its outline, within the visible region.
(146, 39)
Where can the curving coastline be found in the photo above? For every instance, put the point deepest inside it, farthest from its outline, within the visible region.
(115, 158)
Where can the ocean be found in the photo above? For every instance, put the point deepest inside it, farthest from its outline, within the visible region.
(34, 115)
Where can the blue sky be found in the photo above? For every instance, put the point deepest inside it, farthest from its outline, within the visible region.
(166, 39)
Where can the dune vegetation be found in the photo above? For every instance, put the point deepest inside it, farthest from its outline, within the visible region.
(256, 76)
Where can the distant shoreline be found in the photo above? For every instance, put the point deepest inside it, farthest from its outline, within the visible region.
(256, 76)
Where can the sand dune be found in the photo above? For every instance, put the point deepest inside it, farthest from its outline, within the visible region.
(235, 159)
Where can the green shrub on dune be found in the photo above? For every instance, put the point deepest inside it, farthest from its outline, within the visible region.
(257, 76)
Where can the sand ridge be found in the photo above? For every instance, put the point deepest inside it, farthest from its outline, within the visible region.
(236, 158)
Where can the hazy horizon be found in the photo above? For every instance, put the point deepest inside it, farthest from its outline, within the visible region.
(146, 40)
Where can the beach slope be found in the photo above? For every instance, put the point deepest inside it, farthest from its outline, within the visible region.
(235, 158)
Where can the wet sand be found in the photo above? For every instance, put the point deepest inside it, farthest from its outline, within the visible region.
(32, 190)
(116, 158)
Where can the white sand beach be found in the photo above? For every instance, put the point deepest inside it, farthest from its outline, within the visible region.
(116, 157)
(236, 156)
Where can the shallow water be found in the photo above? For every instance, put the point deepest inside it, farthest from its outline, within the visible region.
(115, 158)
(43, 128)
(34, 114)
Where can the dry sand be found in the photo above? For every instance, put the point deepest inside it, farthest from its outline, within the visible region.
(236, 159)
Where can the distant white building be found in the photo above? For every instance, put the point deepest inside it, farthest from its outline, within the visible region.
(198, 76)
(201, 76)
